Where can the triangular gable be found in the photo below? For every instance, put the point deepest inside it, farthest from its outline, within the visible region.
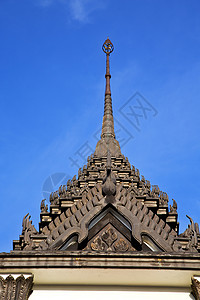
(76, 220)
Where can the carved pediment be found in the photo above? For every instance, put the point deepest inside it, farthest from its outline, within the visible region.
(84, 225)
(109, 239)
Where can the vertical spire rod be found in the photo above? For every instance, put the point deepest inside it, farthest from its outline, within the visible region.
(107, 76)
(108, 123)
(108, 145)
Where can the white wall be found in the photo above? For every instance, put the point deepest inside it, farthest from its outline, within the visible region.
(111, 295)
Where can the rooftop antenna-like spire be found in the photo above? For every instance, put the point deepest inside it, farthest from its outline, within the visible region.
(108, 123)
(107, 48)
(108, 141)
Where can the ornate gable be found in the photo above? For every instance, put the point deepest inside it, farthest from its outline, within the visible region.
(97, 224)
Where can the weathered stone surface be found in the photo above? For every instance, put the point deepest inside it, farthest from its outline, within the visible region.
(15, 289)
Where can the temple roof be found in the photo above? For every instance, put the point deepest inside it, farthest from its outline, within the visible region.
(109, 207)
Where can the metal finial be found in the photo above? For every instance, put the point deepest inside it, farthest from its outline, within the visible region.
(108, 46)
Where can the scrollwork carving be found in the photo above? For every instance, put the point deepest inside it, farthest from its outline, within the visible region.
(109, 240)
(109, 236)
(19, 288)
(121, 245)
(98, 244)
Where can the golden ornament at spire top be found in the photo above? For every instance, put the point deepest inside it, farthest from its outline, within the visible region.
(108, 47)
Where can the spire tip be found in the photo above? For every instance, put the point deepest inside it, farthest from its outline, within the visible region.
(108, 46)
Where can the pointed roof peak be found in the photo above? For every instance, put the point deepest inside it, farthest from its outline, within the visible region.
(108, 141)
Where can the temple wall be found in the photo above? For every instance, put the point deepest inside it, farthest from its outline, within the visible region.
(109, 294)
(86, 284)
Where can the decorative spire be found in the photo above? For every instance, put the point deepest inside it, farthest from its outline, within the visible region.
(108, 141)
(108, 123)
(107, 48)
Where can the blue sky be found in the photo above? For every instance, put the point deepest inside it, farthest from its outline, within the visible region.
(52, 91)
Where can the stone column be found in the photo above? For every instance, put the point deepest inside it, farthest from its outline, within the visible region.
(15, 286)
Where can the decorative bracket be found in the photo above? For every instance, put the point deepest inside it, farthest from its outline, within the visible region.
(15, 287)
(195, 288)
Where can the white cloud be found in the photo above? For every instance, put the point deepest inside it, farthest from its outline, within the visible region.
(79, 10)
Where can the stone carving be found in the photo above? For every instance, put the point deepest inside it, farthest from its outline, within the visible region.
(79, 172)
(109, 181)
(69, 184)
(195, 288)
(54, 198)
(133, 170)
(27, 224)
(92, 175)
(126, 203)
(121, 245)
(137, 173)
(43, 207)
(143, 179)
(84, 189)
(148, 184)
(192, 234)
(15, 289)
(104, 241)
(84, 169)
(74, 181)
(155, 191)
(62, 191)
(163, 200)
(173, 208)
(98, 244)
(109, 236)
(140, 190)
(27, 230)
(143, 191)
(109, 241)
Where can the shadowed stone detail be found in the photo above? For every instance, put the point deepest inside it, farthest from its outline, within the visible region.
(121, 245)
(110, 240)
(28, 230)
(109, 236)
(109, 181)
(104, 241)
(15, 289)
(195, 288)
(192, 233)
